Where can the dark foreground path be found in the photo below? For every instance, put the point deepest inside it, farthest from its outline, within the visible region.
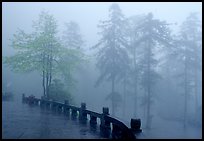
(21, 121)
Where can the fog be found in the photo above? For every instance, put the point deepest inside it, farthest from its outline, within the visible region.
(168, 92)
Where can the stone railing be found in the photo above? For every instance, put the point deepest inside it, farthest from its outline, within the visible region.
(109, 126)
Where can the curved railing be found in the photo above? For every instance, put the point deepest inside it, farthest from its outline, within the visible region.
(118, 130)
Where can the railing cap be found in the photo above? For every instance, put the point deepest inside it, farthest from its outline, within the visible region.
(135, 124)
(106, 110)
(66, 102)
(83, 105)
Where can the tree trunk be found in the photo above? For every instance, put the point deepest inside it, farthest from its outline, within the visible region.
(148, 87)
(44, 93)
(145, 107)
(135, 82)
(51, 60)
(124, 90)
(44, 89)
(113, 100)
(148, 108)
(185, 90)
(47, 77)
(196, 85)
(196, 96)
(49, 69)
(47, 85)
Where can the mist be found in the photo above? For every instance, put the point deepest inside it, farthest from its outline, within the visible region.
(164, 92)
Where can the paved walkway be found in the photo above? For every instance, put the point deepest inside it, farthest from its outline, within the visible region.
(21, 121)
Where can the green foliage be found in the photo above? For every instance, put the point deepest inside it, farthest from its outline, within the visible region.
(42, 51)
(72, 55)
(26, 59)
(32, 47)
(59, 92)
(68, 63)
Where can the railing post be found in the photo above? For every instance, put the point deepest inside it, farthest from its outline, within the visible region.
(66, 108)
(66, 102)
(59, 107)
(82, 114)
(116, 132)
(48, 105)
(105, 110)
(31, 99)
(36, 102)
(53, 105)
(135, 125)
(74, 114)
(105, 128)
(23, 98)
(93, 120)
(105, 113)
(42, 101)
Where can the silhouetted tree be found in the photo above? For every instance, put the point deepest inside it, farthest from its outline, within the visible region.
(112, 56)
(189, 47)
(74, 55)
(72, 37)
(135, 55)
(152, 33)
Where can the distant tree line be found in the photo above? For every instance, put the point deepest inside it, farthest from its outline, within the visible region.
(128, 51)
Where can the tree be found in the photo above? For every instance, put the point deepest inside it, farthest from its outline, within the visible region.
(152, 34)
(71, 36)
(68, 63)
(58, 91)
(112, 56)
(42, 51)
(126, 83)
(189, 48)
(35, 50)
(135, 54)
(74, 55)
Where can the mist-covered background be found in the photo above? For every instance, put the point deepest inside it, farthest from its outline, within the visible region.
(168, 101)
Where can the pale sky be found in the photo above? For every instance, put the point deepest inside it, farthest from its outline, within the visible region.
(87, 15)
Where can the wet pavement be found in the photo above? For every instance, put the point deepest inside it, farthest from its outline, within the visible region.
(21, 121)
